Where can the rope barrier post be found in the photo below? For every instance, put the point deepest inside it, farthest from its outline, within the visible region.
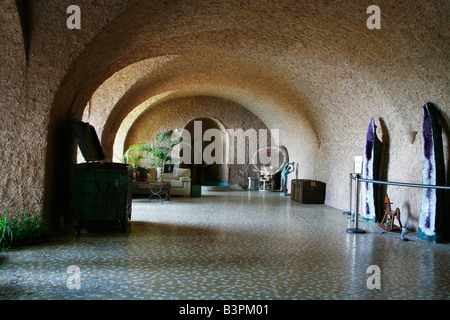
(356, 229)
(348, 213)
(400, 184)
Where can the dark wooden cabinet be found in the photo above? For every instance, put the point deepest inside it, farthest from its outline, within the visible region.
(308, 191)
(102, 194)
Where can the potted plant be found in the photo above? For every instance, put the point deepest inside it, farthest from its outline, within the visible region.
(132, 156)
(141, 173)
(159, 152)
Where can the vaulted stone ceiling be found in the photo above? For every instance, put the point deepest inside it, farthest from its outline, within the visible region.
(310, 68)
(315, 56)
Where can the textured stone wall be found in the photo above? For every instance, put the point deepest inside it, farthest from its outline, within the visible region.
(312, 69)
(14, 153)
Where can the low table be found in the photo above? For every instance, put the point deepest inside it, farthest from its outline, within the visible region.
(266, 185)
(157, 189)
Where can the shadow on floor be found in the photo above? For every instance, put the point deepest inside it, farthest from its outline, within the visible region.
(149, 228)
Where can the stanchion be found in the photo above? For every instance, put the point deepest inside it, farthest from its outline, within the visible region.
(358, 179)
(348, 213)
(356, 229)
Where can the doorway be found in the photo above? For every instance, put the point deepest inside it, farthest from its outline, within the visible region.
(208, 174)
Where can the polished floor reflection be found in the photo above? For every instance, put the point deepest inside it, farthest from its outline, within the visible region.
(230, 245)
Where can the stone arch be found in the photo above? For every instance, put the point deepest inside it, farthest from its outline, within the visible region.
(215, 173)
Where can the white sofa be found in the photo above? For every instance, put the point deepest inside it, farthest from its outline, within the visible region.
(180, 182)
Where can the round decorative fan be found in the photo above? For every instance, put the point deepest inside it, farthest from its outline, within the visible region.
(270, 160)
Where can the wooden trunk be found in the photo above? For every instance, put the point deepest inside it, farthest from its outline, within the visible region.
(308, 191)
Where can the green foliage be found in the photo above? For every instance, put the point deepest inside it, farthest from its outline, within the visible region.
(141, 170)
(133, 155)
(158, 152)
(20, 225)
(6, 235)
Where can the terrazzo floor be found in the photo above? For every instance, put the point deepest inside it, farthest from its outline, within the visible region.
(241, 245)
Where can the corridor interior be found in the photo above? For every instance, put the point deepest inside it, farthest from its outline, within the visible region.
(234, 245)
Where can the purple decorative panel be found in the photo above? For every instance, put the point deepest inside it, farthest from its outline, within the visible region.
(371, 169)
(432, 213)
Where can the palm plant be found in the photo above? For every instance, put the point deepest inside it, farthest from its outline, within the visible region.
(133, 155)
(159, 152)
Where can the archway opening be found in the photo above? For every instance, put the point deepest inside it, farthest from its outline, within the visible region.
(208, 174)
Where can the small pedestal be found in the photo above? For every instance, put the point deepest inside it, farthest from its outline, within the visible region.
(265, 185)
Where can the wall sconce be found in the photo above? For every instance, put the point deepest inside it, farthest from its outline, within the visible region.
(410, 136)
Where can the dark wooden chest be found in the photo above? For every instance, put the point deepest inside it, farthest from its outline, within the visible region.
(308, 191)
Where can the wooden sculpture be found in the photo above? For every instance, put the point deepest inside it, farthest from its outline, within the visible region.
(388, 222)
